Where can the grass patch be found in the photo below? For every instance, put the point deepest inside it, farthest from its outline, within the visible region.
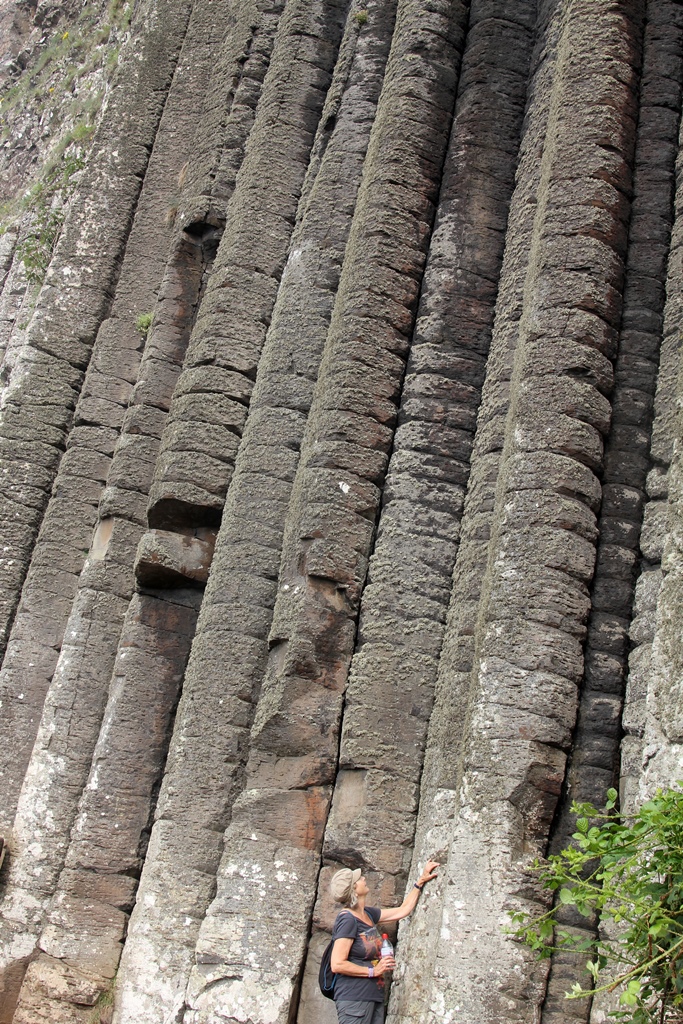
(143, 323)
(62, 90)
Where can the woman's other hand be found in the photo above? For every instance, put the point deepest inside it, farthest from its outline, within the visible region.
(387, 963)
(428, 872)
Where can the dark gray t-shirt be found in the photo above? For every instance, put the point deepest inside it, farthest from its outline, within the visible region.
(366, 947)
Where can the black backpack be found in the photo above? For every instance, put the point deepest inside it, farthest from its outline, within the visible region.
(326, 978)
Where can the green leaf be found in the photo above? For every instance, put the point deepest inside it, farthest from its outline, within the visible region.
(628, 869)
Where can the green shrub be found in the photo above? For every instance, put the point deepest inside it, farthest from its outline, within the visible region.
(629, 870)
(143, 323)
(46, 202)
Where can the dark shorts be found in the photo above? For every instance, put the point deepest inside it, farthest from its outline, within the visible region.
(358, 1011)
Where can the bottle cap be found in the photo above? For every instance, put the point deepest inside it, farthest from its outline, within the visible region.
(384, 935)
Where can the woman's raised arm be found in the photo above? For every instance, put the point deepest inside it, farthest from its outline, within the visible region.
(410, 902)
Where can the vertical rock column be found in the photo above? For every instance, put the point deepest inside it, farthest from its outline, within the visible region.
(652, 748)
(198, 454)
(106, 426)
(438, 794)
(78, 950)
(243, 964)
(179, 875)
(228, 110)
(403, 610)
(595, 749)
(62, 547)
(39, 400)
(501, 782)
(86, 917)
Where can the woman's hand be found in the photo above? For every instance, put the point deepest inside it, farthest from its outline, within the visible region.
(410, 902)
(387, 963)
(428, 872)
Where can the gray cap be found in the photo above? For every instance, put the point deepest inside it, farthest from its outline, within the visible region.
(343, 882)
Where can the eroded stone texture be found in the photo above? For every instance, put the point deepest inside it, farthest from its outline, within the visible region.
(403, 610)
(199, 783)
(56, 672)
(61, 549)
(651, 748)
(394, 403)
(594, 758)
(651, 751)
(502, 780)
(274, 839)
(40, 397)
(86, 919)
(197, 457)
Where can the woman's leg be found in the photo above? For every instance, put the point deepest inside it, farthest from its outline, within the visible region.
(359, 1012)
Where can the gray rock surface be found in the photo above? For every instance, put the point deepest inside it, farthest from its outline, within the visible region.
(340, 487)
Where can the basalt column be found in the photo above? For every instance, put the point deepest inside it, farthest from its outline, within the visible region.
(595, 749)
(445, 731)
(652, 748)
(39, 400)
(274, 840)
(403, 610)
(346, 422)
(197, 454)
(60, 551)
(112, 442)
(493, 777)
(84, 935)
(239, 601)
(78, 950)
(195, 466)
(77, 953)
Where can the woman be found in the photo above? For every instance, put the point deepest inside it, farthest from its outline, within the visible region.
(356, 959)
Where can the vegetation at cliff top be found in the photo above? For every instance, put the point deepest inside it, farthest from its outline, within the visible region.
(47, 201)
(64, 88)
(67, 57)
(628, 869)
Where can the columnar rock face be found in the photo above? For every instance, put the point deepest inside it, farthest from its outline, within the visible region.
(340, 494)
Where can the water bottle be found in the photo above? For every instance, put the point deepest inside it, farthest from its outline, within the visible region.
(387, 948)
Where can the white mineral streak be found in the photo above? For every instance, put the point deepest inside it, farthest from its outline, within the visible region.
(26, 894)
(239, 942)
(254, 996)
